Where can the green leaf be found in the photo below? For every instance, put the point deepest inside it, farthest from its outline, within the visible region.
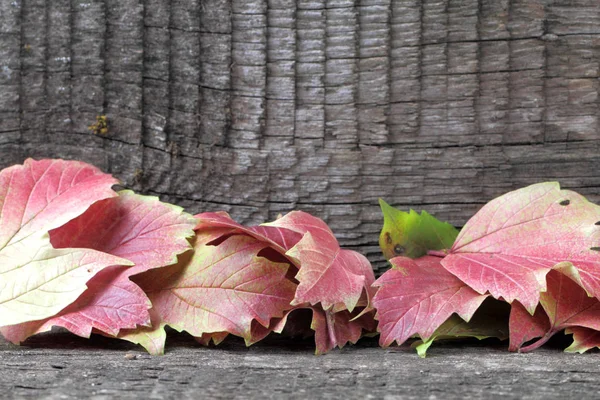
(490, 321)
(412, 234)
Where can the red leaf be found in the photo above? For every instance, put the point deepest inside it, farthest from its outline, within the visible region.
(418, 296)
(584, 339)
(327, 274)
(524, 327)
(330, 329)
(37, 280)
(216, 338)
(280, 239)
(42, 195)
(509, 246)
(338, 329)
(567, 305)
(218, 289)
(138, 228)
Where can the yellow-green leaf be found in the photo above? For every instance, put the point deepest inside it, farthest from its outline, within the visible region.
(411, 234)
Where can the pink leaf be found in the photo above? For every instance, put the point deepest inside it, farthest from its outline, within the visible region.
(138, 228)
(567, 305)
(330, 329)
(220, 289)
(524, 327)
(280, 239)
(152, 337)
(42, 195)
(217, 337)
(584, 339)
(36, 280)
(338, 329)
(509, 246)
(417, 297)
(327, 274)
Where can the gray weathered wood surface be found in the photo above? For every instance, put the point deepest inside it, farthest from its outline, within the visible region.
(60, 366)
(259, 107)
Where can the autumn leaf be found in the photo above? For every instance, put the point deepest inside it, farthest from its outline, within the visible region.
(151, 337)
(139, 228)
(327, 274)
(509, 246)
(330, 329)
(280, 239)
(217, 337)
(412, 235)
(525, 327)
(216, 289)
(584, 339)
(489, 321)
(567, 305)
(417, 297)
(42, 195)
(338, 329)
(36, 280)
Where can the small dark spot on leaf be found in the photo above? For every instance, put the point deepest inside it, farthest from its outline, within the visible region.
(565, 202)
(398, 249)
(388, 238)
(595, 248)
(89, 270)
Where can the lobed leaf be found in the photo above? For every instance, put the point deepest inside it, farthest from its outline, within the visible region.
(328, 275)
(584, 339)
(330, 329)
(487, 322)
(219, 288)
(139, 228)
(525, 327)
(42, 195)
(509, 246)
(417, 297)
(338, 329)
(151, 337)
(36, 280)
(567, 305)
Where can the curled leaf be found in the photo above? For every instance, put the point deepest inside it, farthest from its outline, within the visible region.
(525, 327)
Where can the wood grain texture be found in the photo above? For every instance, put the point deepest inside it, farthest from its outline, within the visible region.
(259, 107)
(62, 366)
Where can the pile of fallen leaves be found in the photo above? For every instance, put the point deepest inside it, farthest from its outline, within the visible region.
(78, 255)
(535, 250)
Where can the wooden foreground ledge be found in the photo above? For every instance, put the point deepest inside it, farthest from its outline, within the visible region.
(62, 366)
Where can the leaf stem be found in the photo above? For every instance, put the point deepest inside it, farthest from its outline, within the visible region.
(437, 253)
(539, 343)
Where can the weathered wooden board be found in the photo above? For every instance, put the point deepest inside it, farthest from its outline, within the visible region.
(259, 107)
(61, 366)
